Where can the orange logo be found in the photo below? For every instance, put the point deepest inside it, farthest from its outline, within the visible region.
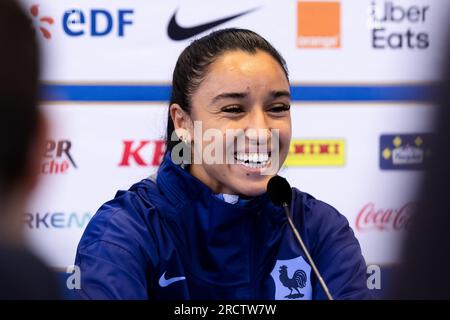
(318, 24)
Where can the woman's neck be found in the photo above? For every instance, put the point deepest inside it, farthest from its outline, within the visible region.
(199, 172)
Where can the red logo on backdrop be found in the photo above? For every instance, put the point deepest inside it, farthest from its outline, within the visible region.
(372, 218)
(144, 153)
(42, 21)
(58, 157)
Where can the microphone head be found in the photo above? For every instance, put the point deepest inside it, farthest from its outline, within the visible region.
(279, 191)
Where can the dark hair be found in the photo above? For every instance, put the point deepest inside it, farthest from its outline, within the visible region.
(192, 64)
(19, 72)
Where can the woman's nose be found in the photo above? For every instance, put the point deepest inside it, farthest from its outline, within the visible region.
(257, 119)
(258, 130)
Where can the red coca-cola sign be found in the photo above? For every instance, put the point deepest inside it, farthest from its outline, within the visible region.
(372, 218)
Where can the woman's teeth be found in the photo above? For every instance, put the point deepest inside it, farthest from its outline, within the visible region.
(252, 160)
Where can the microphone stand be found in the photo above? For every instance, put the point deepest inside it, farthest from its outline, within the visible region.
(302, 245)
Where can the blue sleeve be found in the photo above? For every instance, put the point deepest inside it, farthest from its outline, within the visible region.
(117, 252)
(337, 254)
(109, 271)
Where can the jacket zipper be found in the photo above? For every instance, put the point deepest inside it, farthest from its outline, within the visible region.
(253, 256)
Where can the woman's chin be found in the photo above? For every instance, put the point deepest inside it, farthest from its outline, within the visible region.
(252, 188)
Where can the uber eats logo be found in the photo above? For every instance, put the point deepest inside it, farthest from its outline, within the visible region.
(399, 26)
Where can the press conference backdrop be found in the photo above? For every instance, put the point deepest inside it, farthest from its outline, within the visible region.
(362, 73)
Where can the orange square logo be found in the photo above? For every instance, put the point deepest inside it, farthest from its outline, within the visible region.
(318, 24)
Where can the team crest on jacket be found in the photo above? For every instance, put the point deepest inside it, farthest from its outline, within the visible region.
(292, 279)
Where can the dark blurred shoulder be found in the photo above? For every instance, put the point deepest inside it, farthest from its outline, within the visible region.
(24, 276)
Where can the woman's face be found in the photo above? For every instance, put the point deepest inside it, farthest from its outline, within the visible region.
(245, 93)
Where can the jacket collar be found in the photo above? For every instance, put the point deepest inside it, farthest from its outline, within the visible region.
(180, 188)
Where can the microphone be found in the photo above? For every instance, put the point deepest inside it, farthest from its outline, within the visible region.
(280, 193)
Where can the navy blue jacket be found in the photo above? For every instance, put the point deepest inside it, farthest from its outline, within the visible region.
(174, 239)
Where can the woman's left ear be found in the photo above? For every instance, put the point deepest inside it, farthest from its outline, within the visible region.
(181, 120)
(179, 117)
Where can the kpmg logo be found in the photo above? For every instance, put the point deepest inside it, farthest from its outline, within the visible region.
(318, 24)
(143, 153)
(42, 23)
(58, 158)
(96, 22)
(404, 151)
(57, 220)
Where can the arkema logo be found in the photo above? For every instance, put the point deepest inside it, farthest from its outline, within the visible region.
(57, 220)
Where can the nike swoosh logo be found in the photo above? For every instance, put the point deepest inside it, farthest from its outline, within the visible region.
(177, 32)
(163, 282)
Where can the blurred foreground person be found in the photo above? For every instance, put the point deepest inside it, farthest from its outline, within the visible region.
(424, 272)
(22, 138)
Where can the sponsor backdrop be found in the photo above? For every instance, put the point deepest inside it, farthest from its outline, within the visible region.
(362, 73)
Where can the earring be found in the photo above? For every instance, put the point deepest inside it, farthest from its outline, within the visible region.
(185, 141)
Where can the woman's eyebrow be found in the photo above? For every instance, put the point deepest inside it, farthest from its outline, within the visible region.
(242, 95)
(278, 94)
(230, 95)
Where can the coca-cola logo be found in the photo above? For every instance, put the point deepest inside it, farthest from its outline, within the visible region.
(372, 218)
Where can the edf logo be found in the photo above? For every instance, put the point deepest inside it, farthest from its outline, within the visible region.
(96, 22)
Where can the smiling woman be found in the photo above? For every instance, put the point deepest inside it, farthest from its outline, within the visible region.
(240, 90)
(207, 229)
